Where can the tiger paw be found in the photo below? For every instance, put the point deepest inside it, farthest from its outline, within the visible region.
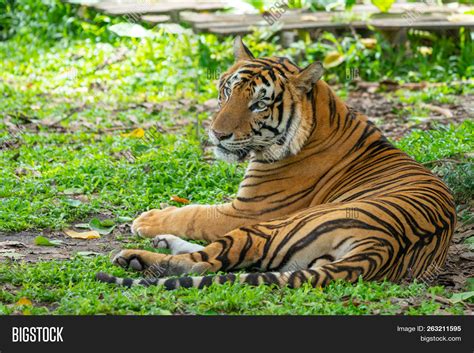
(152, 222)
(138, 260)
(175, 244)
(157, 265)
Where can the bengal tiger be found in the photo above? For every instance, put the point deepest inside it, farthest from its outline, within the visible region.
(325, 196)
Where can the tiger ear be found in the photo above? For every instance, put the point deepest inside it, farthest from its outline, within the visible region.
(241, 52)
(306, 79)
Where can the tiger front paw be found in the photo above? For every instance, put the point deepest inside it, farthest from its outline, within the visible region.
(152, 223)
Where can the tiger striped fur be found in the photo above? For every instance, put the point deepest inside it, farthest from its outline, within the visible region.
(325, 195)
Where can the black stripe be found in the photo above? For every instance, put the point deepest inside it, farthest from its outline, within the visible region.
(127, 282)
(252, 279)
(206, 281)
(264, 80)
(270, 278)
(185, 282)
(170, 283)
(230, 277)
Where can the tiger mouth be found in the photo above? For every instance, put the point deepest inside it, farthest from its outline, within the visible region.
(239, 155)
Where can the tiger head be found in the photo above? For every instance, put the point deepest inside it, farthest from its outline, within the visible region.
(262, 107)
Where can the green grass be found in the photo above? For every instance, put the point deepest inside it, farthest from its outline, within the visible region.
(96, 166)
(38, 175)
(448, 152)
(74, 88)
(442, 142)
(70, 288)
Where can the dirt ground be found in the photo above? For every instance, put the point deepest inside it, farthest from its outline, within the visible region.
(22, 244)
(369, 100)
(460, 262)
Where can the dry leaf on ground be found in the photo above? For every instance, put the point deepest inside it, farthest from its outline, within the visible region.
(92, 234)
(178, 199)
(137, 133)
(23, 301)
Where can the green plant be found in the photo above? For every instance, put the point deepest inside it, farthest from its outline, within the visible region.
(383, 5)
(69, 288)
(49, 20)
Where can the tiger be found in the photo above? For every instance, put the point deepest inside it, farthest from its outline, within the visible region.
(325, 196)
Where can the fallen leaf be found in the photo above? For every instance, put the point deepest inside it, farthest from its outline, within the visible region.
(178, 199)
(137, 133)
(92, 234)
(72, 202)
(40, 240)
(123, 219)
(102, 227)
(107, 223)
(459, 297)
(24, 301)
(87, 253)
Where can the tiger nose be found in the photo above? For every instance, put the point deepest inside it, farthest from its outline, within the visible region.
(221, 135)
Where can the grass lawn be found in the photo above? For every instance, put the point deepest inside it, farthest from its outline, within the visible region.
(95, 131)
